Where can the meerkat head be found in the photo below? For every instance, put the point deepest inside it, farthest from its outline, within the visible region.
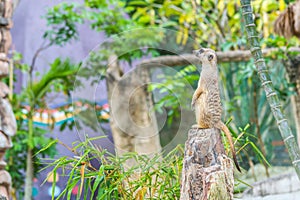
(205, 55)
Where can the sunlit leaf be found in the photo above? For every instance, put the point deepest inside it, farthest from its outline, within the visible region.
(281, 5)
(231, 8)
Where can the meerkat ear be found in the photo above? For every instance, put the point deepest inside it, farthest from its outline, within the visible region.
(210, 57)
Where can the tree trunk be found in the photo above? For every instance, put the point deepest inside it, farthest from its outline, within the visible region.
(29, 176)
(296, 109)
(29, 162)
(132, 117)
(207, 172)
(292, 66)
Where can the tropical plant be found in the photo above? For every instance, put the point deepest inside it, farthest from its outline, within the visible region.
(30, 138)
(211, 23)
(101, 175)
(245, 102)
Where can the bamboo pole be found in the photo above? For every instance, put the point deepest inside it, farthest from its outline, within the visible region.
(273, 100)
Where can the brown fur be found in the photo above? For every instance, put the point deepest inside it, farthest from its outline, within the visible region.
(206, 99)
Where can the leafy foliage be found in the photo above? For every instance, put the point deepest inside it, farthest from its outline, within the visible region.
(59, 78)
(173, 90)
(16, 156)
(153, 177)
(61, 73)
(211, 23)
(106, 16)
(63, 20)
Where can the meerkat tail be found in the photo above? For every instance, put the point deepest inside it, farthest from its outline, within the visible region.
(224, 128)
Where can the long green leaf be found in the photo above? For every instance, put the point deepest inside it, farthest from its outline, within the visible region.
(53, 142)
(58, 70)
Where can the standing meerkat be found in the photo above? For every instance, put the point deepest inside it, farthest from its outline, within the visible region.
(206, 100)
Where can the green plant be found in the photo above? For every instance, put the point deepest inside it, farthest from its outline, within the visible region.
(30, 138)
(172, 89)
(246, 103)
(102, 175)
(153, 177)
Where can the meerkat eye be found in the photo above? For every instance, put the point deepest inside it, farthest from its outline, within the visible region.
(210, 57)
(201, 50)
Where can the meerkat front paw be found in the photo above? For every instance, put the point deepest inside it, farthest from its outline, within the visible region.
(196, 126)
(193, 105)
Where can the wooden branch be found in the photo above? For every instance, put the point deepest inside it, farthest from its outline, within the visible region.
(188, 59)
(207, 172)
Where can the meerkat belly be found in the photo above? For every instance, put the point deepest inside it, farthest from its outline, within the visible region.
(202, 116)
(214, 107)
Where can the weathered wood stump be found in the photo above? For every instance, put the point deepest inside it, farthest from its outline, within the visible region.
(207, 172)
(7, 119)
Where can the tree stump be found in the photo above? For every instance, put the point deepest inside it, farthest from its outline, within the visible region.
(207, 172)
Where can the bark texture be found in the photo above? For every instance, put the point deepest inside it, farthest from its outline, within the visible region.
(7, 119)
(293, 70)
(288, 25)
(132, 117)
(29, 176)
(288, 22)
(207, 172)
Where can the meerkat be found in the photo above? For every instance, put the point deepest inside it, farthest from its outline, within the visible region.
(206, 100)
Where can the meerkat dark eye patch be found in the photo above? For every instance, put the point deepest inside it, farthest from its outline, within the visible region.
(201, 50)
(210, 57)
